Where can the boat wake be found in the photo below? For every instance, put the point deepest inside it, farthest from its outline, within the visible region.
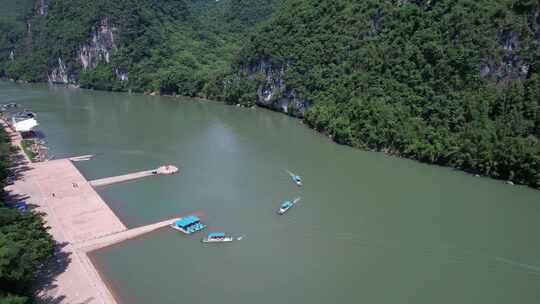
(441, 254)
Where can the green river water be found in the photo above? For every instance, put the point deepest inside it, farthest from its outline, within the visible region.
(369, 229)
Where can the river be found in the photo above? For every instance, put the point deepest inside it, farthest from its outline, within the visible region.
(369, 229)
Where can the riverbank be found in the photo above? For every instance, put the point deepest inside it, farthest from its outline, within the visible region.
(391, 151)
(80, 222)
(74, 215)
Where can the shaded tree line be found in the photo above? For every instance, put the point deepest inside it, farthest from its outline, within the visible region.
(25, 243)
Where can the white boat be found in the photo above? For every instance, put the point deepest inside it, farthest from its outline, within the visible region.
(296, 178)
(287, 205)
(217, 237)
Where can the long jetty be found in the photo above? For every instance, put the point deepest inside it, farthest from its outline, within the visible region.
(112, 239)
(163, 170)
(80, 222)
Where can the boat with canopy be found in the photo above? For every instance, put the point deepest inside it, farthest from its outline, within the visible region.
(217, 237)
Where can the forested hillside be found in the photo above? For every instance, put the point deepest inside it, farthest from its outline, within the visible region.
(166, 46)
(450, 82)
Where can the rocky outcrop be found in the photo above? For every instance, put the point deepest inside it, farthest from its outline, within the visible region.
(60, 73)
(376, 21)
(122, 74)
(272, 91)
(99, 48)
(510, 66)
(426, 3)
(536, 23)
(41, 7)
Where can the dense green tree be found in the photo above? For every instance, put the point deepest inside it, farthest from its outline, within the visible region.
(446, 82)
(168, 46)
(24, 242)
(451, 82)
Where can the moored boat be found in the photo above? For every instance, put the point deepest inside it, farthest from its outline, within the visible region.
(188, 225)
(217, 237)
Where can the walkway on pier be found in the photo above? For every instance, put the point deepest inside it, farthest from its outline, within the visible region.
(163, 170)
(79, 220)
(112, 239)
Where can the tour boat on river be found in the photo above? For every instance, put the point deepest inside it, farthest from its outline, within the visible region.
(217, 237)
(296, 178)
(287, 205)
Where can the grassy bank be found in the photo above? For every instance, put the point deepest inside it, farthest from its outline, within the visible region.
(27, 146)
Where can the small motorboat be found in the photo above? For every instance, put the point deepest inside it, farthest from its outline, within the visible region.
(217, 237)
(296, 178)
(9, 105)
(26, 114)
(285, 207)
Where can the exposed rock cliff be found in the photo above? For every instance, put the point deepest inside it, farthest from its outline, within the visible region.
(122, 74)
(41, 7)
(512, 65)
(100, 46)
(273, 92)
(536, 24)
(59, 74)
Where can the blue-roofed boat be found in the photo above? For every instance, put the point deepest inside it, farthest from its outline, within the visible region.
(188, 225)
(296, 178)
(287, 205)
(217, 237)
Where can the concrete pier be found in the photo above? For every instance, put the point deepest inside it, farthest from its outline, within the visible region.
(80, 222)
(112, 239)
(163, 170)
(76, 205)
(81, 158)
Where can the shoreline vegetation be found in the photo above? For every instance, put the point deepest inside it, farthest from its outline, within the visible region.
(325, 133)
(25, 242)
(27, 146)
(450, 83)
(389, 152)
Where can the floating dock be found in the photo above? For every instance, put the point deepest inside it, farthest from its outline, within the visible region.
(188, 225)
